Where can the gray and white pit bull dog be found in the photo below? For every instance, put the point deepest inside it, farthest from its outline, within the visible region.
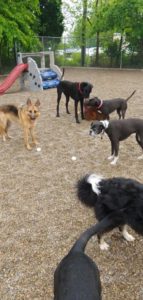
(118, 130)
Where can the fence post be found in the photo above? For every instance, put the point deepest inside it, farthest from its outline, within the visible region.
(121, 59)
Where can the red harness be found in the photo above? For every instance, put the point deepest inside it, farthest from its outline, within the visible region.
(79, 89)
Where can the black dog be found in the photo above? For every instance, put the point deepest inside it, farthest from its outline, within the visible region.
(77, 91)
(119, 199)
(77, 276)
(118, 130)
(108, 106)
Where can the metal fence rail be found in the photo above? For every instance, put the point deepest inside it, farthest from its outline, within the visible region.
(67, 51)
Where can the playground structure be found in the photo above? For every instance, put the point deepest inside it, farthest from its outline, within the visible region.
(37, 78)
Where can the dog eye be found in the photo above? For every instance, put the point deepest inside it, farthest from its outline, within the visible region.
(30, 111)
(35, 111)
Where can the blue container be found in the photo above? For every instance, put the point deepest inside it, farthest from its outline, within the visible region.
(48, 74)
(49, 84)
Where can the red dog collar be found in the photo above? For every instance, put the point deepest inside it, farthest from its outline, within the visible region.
(78, 87)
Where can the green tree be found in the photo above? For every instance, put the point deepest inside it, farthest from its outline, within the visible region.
(98, 23)
(106, 17)
(51, 18)
(79, 12)
(94, 22)
(18, 23)
(126, 17)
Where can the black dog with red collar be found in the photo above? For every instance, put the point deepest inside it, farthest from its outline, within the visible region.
(108, 106)
(77, 91)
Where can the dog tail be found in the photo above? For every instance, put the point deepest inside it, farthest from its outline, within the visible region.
(62, 74)
(108, 223)
(9, 109)
(85, 192)
(131, 95)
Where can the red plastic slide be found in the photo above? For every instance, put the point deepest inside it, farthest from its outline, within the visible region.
(13, 75)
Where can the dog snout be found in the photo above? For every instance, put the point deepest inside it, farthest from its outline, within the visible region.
(33, 115)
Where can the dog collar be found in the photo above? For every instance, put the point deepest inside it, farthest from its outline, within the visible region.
(78, 87)
(100, 105)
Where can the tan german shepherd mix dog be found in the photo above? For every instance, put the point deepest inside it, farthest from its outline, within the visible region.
(25, 115)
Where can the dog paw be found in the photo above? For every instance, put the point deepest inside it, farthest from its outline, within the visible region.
(113, 163)
(104, 246)
(110, 157)
(140, 157)
(9, 137)
(128, 237)
(35, 142)
(4, 138)
(29, 147)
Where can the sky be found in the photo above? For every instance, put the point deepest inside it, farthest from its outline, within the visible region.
(76, 6)
(69, 18)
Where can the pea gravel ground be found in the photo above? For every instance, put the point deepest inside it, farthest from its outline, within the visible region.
(40, 216)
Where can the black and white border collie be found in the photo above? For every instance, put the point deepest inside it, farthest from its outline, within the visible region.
(117, 198)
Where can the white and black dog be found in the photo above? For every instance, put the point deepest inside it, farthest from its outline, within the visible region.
(119, 199)
(118, 130)
(77, 276)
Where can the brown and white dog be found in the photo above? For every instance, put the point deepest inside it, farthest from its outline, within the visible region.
(26, 116)
(91, 113)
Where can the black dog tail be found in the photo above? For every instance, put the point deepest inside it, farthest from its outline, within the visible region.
(9, 109)
(85, 193)
(62, 74)
(108, 223)
(131, 95)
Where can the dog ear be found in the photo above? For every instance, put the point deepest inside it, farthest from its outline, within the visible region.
(29, 102)
(37, 103)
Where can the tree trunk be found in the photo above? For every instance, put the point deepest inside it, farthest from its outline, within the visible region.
(118, 57)
(15, 52)
(97, 40)
(83, 33)
(0, 55)
(97, 48)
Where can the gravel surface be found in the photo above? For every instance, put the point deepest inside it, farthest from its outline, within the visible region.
(40, 216)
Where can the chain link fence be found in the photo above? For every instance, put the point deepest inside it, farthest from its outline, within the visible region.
(110, 53)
